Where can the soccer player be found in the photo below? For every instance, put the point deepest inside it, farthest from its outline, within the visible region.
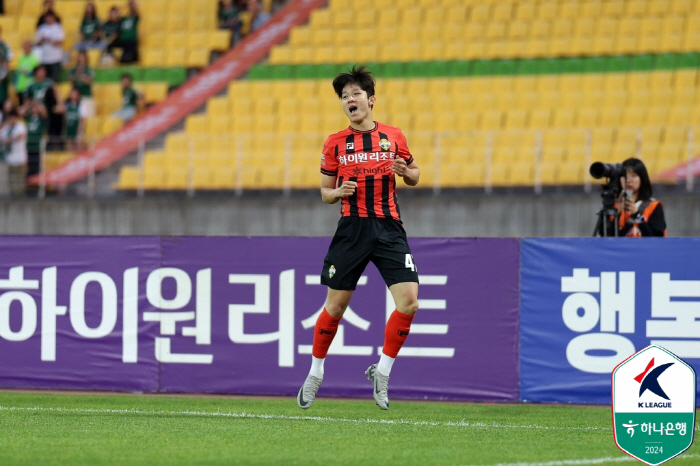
(359, 167)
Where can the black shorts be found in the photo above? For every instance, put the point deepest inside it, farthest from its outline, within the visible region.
(359, 240)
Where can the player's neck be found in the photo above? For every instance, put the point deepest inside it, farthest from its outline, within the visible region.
(365, 125)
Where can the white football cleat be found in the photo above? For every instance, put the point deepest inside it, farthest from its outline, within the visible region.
(380, 383)
(307, 392)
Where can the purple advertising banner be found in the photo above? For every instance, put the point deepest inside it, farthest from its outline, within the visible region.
(236, 315)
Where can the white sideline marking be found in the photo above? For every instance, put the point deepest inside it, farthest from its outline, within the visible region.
(581, 462)
(246, 415)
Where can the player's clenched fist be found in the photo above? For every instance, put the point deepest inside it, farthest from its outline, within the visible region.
(399, 167)
(347, 189)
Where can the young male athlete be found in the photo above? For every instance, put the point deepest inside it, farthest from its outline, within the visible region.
(358, 168)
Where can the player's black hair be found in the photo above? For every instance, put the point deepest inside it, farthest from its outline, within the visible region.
(357, 75)
(638, 167)
(127, 75)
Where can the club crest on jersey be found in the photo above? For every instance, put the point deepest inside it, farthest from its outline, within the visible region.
(385, 144)
(331, 271)
(350, 146)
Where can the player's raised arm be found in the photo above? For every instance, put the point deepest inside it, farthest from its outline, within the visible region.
(330, 194)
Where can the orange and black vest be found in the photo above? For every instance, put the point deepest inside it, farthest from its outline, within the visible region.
(647, 208)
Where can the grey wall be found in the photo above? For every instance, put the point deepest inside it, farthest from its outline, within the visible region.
(423, 215)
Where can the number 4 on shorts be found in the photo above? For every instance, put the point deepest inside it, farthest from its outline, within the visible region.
(410, 264)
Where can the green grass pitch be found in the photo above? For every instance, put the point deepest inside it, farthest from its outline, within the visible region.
(50, 429)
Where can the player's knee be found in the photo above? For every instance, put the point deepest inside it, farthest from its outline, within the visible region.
(336, 310)
(410, 307)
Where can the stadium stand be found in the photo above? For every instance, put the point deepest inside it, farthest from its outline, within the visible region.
(489, 93)
(174, 35)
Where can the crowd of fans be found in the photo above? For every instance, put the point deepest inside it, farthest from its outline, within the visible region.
(231, 16)
(35, 112)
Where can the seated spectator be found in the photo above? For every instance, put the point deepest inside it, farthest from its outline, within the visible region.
(35, 118)
(74, 120)
(42, 90)
(50, 37)
(229, 18)
(48, 8)
(130, 100)
(24, 75)
(90, 30)
(81, 77)
(5, 58)
(110, 34)
(258, 16)
(13, 136)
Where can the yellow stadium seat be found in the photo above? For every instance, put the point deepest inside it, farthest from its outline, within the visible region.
(175, 57)
(480, 12)
(153, 178)
(197, 58)
(525, 11)
(635, 7)
(176, 23)
(681, 6)
(176, 178)
(613, 8)
(202, 178)
(547, 10)
(128, 178)
(197, 124)
(219, 40)
(197, 22)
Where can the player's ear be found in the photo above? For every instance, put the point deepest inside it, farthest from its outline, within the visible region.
(371, 101)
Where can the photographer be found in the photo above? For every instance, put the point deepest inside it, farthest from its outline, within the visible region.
(640, 214)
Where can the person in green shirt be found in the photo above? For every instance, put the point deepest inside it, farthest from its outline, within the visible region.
(24, 75)
(82, 77)
(110, 34)
(130, 100)
(128, 35)
(229, 18)
(42, 90)
(35, 118)
(90, 30)
(5, 58)
(74, 120)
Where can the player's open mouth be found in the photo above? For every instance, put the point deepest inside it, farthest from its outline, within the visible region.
(352, 109)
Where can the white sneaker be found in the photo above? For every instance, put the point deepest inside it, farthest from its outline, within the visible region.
(307, 392)
(380, 382)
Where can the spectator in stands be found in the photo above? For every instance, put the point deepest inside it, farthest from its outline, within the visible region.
(5, 110)
(229, 18)
(24, 75)
(42, 90)
(128, 35)
(13, 136)
(81, 77)
(110, 34)
(130, 100)
(5, 58)
(35, 118)
(90, 30)
(48, 8)
(258, 16)
(50, 37)
(74, 115)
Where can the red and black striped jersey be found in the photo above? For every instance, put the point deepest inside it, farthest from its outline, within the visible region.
(366, 157)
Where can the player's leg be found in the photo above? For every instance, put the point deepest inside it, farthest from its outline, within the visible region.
(393, 258)
(326, 328)
(347, 257)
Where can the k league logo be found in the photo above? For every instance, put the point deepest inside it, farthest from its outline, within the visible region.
(653, 403)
